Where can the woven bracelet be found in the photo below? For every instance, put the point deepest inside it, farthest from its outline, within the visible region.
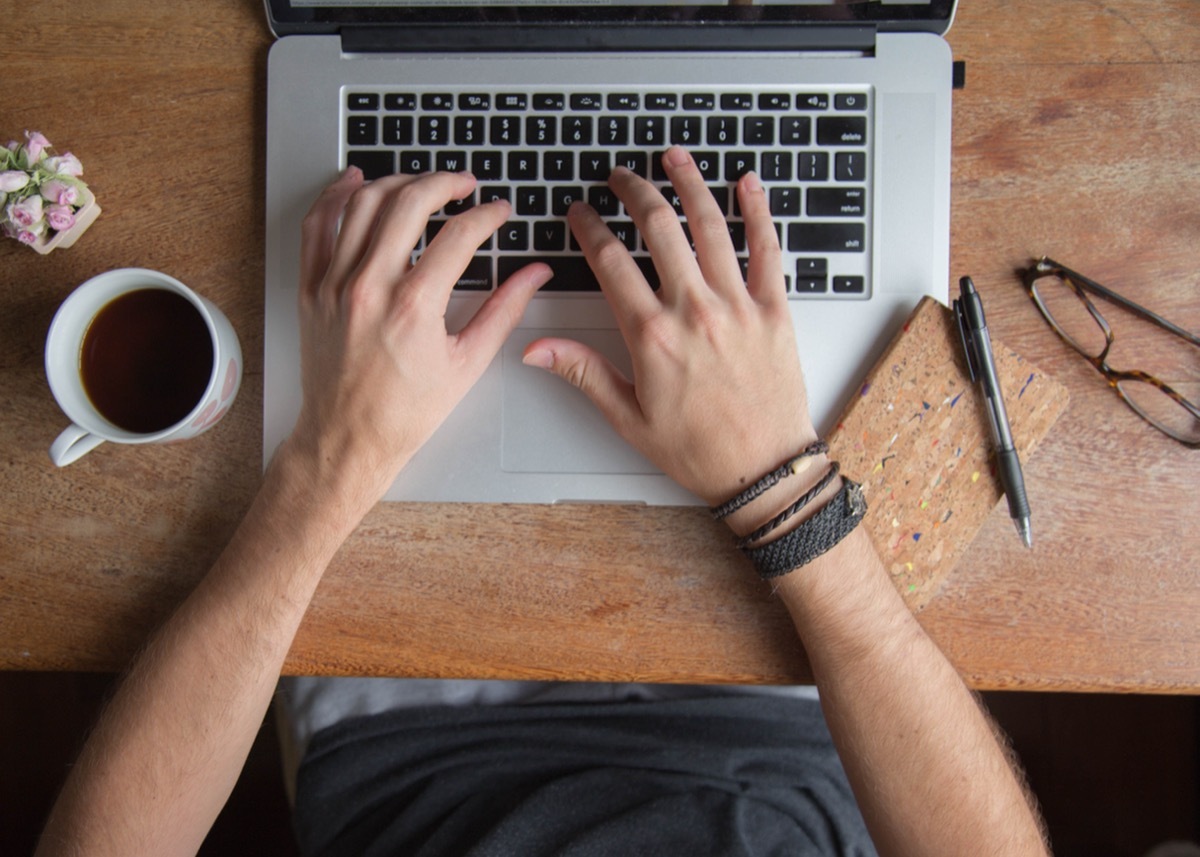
(817, 535)
(776, 522)
(783, 471)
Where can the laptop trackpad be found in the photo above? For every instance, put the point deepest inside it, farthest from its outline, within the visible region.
(550, 426)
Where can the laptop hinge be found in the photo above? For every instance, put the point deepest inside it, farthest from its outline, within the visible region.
(500, 37)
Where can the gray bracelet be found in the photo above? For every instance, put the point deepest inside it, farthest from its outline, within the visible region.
(812, 538)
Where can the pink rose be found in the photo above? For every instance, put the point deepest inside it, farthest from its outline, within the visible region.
(26, 236)
(65, 165)
(60, 192)
(27, 212)
(35, 145)
(11, 180)
(60, 217)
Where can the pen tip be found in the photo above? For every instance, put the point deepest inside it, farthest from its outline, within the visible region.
(1025, 532)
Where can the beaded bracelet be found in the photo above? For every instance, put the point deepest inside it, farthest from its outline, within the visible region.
(792, 465)
(817, 535)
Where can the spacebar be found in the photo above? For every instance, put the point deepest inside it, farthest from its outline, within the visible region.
(571, 273)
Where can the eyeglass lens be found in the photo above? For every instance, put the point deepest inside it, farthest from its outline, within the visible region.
(1162, 410)
(1070, 313)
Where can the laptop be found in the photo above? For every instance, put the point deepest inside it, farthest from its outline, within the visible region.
(843, 108)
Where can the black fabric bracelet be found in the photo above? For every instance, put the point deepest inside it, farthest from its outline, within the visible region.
(783, 471)
(814, 537)
(773, 524)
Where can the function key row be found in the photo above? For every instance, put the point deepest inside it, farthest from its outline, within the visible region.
(766, 101)
(575, 130)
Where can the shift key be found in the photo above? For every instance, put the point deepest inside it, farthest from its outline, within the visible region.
(827, 237)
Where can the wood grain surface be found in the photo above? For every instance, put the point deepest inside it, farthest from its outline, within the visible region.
(1076, 136)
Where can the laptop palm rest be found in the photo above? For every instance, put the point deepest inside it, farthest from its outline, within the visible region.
(549, 426)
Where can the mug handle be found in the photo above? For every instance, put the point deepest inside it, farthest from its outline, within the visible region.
(73, 444)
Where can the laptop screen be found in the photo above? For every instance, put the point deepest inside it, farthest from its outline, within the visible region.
(330, 16)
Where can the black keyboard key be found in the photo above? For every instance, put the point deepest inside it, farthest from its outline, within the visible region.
(541, 131)
(836, 202)
(848, 286)
(398, 130)
(785, 201)
(513, 235)
(812, 266)
(432, 228)
(505, 131)
(603, 200)
(737, 101)
(661, 101)
(586, 101)
(850, 101)
(561, 199)
(522, 166)
(531, 200)
(699, 101)
(433, 130)
(737, 164)
(685, 130)
(774, 101)
(709, 164)
(571, 273)
(362, 101)
(626, 233)
(415, 162)
(558, 166)
(850, 166)
(614, 131)
(487, 166)
(650, 131)
(721, 195)
(842, 131)
(624, 101)
(452, 161)
(812, 166)
(594, 166)
(374, 163)
(474, 101)
(362, 130)
(399, 101)
(577, 130)
(468, 131)
(812, 101)
(826, 237)
(492, 193)
(549, 235)
(776, 167)
(673, 199)
(737, 234)
(635, 162)
(758, 131)
(722, 131)
(477, 276)
(549, 101)
(458, 206)
(806, 285)
(795, 130)
(512, 101)
(437, 101)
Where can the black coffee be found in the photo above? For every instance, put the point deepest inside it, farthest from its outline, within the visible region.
(146, 359)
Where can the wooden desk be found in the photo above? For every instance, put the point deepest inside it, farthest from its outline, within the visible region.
(1075, 136)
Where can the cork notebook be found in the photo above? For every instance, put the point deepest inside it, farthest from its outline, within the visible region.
(916, 436)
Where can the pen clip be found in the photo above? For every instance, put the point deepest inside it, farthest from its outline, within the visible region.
(964, 334)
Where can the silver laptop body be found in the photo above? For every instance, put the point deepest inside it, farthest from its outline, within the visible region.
(367, 83)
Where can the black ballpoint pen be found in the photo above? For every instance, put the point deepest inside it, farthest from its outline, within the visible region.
(972, 325)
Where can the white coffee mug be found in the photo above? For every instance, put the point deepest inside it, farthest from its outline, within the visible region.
(64, 365)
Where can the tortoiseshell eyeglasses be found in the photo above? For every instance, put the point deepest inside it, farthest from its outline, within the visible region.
(1062, 295)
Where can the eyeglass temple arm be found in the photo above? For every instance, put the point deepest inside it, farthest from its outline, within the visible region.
(1049, 266)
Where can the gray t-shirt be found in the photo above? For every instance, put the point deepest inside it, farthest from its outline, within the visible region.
(727, 775)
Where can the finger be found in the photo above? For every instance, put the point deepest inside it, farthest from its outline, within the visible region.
(595, 375)
(403, 215)
(764, 277)
(492, 324)
(661, 230)
(449, 254)
(706, 221)
(358, 223)
(319, 228)
(629, 295)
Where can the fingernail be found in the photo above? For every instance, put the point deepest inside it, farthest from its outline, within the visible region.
(676, 156)
(752, 182)
(540, 358)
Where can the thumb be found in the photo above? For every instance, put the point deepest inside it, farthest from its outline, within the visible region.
(594, 374)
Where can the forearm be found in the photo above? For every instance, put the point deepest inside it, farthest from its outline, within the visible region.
(930, 775)
(169, 747)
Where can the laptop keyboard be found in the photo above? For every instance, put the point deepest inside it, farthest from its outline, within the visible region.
(541, 150)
